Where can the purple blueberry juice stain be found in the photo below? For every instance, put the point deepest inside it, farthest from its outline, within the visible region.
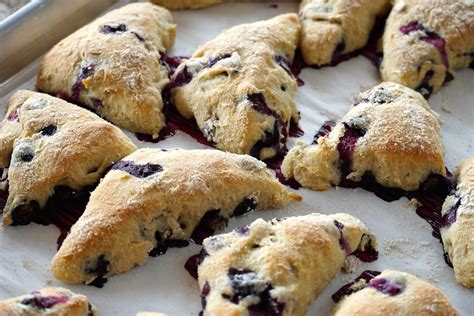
(430, 195)
(275, 164)
(386, 286)
(295, 131)
(137, 170)
(450, 216)
(342, 241)
(347, 289)
(44, 302)
(293, 71)
(194, 261)
(324, 130)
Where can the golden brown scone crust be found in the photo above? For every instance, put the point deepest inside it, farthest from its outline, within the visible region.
(458, 237)
(417, 298)
(126, 211)
(408, 59)
(67, 304)
(329, 25)
(237, 66)
(296, 256)
(401, 143)
(76, 154)
(121, 74)
(185, 4)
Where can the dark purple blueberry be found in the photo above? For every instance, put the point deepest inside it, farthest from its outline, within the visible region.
(139, 171)
(386, 286)
(347, 289)
(450, 216)
(97, 103)
(425, 89)
(76, 89)
(269, 139)
(99, 269)
(369, 254)
(170, 62)
(244, 230)
(14, 117)
(283, 63)
(208, 225)
(273, 6)
(49, 130)
(346, 147)
(206, 289)
(23, 214)
(342, 241)
(247, 205)
(89, 309)
(120, 28)
(43, 302)
(341, 46)
(324, 130)
(26, 155)
(160, 247)
(182, 78)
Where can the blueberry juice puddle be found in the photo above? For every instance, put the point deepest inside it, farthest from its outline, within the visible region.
(62, 210)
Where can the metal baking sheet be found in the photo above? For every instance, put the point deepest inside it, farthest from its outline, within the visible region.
(162, 284)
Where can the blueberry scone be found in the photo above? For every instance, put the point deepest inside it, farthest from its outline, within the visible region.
(48, 301)
(277, 267)
(458, 224)
(185, 4)
(390, 135)
(239, 87)
(334, 28)
(155, 199)
(113, 66)
(426, 41)
(47, 143)
(393, 293)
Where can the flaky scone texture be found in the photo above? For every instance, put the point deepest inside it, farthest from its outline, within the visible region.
(390, 132)
(47, 143)
(239, 87)
(414, 297)
(185, 4)
(154, 195)
(113, 66)
(425, 41)
(336, 27)
(277, 267)
(458, 232)
(48, 302)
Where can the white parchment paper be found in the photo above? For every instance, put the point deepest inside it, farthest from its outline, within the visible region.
(163, 285)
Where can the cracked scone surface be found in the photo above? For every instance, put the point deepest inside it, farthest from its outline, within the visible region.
(48, 143)
(395, 293)
(239, 87)
(185, 4)
(390, 133)
(113, 66)
(277, 267)
(155, 197)
(458, 224)
(336, 27)
(48, 301)
(426, 41)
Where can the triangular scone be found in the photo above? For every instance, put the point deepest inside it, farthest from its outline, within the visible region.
(47, 143)
(113, 66)
(154, 199)
(239, 87)
(394, 293)
(48, 301)
(458, 224)
(390, 135)
(330, 29)
(277, 267)
(185, 4)
(426, 41)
